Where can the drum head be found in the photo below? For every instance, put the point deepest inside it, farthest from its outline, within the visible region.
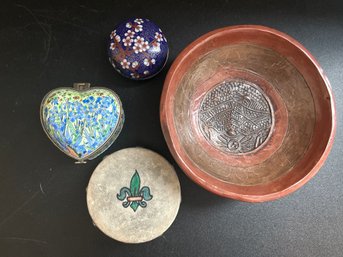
(133, 195)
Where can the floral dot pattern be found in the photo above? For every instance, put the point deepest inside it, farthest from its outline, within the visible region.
(137, 49)
(80, 122)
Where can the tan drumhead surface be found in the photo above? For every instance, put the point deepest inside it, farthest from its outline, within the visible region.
(133, 195)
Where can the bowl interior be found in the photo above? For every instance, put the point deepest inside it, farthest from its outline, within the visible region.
(247, 112)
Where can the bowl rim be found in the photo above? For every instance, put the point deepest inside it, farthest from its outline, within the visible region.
(179, 157)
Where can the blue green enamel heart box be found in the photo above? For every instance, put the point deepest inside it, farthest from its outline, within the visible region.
(82, 121)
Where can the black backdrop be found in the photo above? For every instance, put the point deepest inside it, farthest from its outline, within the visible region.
(46, 44)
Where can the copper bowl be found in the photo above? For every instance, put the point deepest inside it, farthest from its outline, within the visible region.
(248, 113)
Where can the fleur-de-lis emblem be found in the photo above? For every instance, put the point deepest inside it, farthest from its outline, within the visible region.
(134, 196)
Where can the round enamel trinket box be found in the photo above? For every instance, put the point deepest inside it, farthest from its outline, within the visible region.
(138, 49)
(248, 113)
(82, 121)
(133, 195)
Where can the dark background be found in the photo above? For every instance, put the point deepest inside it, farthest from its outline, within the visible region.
(45, 44)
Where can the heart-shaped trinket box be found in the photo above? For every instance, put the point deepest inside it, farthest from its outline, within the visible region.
(82, 121)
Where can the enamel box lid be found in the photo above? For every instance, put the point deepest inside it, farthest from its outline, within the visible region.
(138, 49)
(82, 121)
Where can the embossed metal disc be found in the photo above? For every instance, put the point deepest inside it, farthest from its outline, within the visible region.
(133, 195)
(236, 117)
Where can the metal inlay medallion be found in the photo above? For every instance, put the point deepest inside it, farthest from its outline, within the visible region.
(236, 116)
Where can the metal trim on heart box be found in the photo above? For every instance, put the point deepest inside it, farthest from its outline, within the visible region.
(80, 87)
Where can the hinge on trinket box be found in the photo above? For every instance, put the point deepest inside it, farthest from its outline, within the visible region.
(81, 86)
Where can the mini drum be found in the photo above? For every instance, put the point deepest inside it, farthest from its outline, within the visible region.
(133, 195)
